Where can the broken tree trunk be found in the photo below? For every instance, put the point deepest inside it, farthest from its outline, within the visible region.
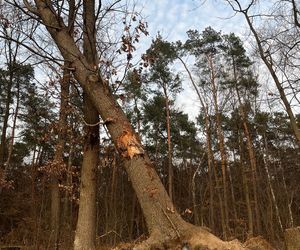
(163, 221)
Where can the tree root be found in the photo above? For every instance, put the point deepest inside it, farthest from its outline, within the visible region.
(192, 238)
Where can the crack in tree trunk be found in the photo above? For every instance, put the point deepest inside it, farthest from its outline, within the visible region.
(151, 194)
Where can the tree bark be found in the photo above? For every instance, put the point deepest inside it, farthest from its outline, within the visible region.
(59, 149)
(266, 163)
(252, 158)
(209, 149)
(163, 223)
(210, 176)
(196, 215)
(221, 143)
(85, 236)
(170, 165)
(246, 189)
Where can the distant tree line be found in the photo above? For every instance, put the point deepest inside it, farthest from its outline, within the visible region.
(100, 153)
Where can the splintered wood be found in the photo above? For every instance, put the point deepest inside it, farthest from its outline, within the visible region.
(129, 146)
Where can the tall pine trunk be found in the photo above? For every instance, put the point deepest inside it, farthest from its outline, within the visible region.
(246, 188)
(209, 152)
(252, 158)
(163, 222)
(170, 165)
(221, 144)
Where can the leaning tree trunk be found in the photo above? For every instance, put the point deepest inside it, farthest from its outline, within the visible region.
(85, 236)
(164, 223)
(267, 59)
(210, 160)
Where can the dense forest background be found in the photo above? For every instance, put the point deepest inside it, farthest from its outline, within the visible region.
(234, 169)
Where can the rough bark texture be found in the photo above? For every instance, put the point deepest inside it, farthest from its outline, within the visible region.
(163, 222)
(85, 235)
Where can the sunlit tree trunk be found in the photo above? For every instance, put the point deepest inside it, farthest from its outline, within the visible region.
(163, 221)
(220, 136)
(209, 151)
(197, 219)
(170, 167)
(251, 153)
(252, 158)
(266, 163)
(210, 176)
(289, 198)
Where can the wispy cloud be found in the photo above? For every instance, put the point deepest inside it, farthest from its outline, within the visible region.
(173, 18)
